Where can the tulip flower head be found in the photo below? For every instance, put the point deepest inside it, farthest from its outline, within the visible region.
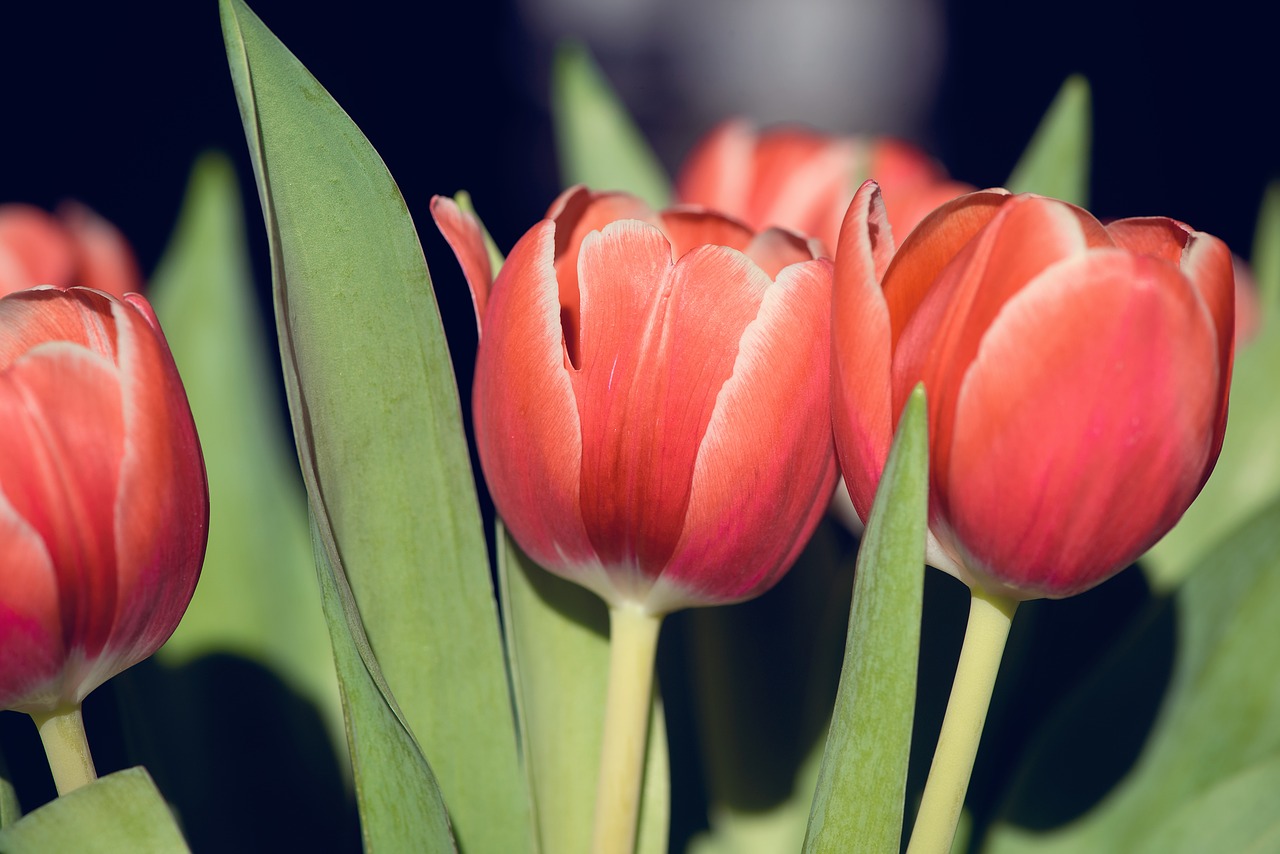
(803, 180)
(1077, 378)
(103, 502)
(651, 397)
(75, 247)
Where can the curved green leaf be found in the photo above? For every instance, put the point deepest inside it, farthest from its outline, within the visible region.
(120, 812)
(400, 804)
(1056, 161)
(598, 143)
(257, 595)
(379, 431)
(858, 805)
(1220, 718)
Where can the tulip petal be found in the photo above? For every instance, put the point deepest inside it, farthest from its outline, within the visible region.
(43, 314)
(658, 343)
(161, 488)
(1066, 466)
(528, 434)
(1026, 236)
(60, 414)
(465, 237)
(771, 425)
(31, 644)
(690, 227)
(578, 212)
(861, 403)
(1208, 263)
(715, 173)
(43, 251)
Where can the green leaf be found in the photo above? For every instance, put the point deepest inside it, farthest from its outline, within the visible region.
(10, 809)
(120, 812)
(1218, 727)
(257, 595)
(1237, 815)
(598, 143)
(400, 804)
(858, 805)
(379, 431)
(558, 643)
(1247, 476)
(1056, 161)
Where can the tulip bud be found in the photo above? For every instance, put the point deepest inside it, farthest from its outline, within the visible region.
(75, 248)
(103, 502)
(1077, 377)
(651, 397)
(803, 180)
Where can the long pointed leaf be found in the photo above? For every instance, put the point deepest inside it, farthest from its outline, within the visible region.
(400, 804)
(379, 431)
(1056, 161)
(858, 805)
(598, 143)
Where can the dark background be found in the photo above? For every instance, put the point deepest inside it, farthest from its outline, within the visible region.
(110, 104)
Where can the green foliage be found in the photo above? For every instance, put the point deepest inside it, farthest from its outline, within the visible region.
(379, 431)
(400, 803)
(1056, 161)
(598, 143)
(858, 805)
(120, 812)
(1211, 759)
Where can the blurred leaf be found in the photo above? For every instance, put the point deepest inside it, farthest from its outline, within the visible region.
(1240, 814)
(1220, 722)
(598, 143)
(858, 804)
(1247, 475)
(379, 431)
(558, 645)
(257, 595)
(1056, 161)
(10, 809)
(120, 812)
(400, 804)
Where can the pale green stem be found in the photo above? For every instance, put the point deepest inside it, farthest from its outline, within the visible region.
(633, 642)
(944, 791)
(62, 732)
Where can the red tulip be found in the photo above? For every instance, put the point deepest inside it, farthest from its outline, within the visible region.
(651, 397)
(803, 181)
(1077, 378)
(103, 503)
(75, 248)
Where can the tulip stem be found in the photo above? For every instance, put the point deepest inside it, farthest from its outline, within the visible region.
(633, 643)
(65, 744)
(944, 791)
